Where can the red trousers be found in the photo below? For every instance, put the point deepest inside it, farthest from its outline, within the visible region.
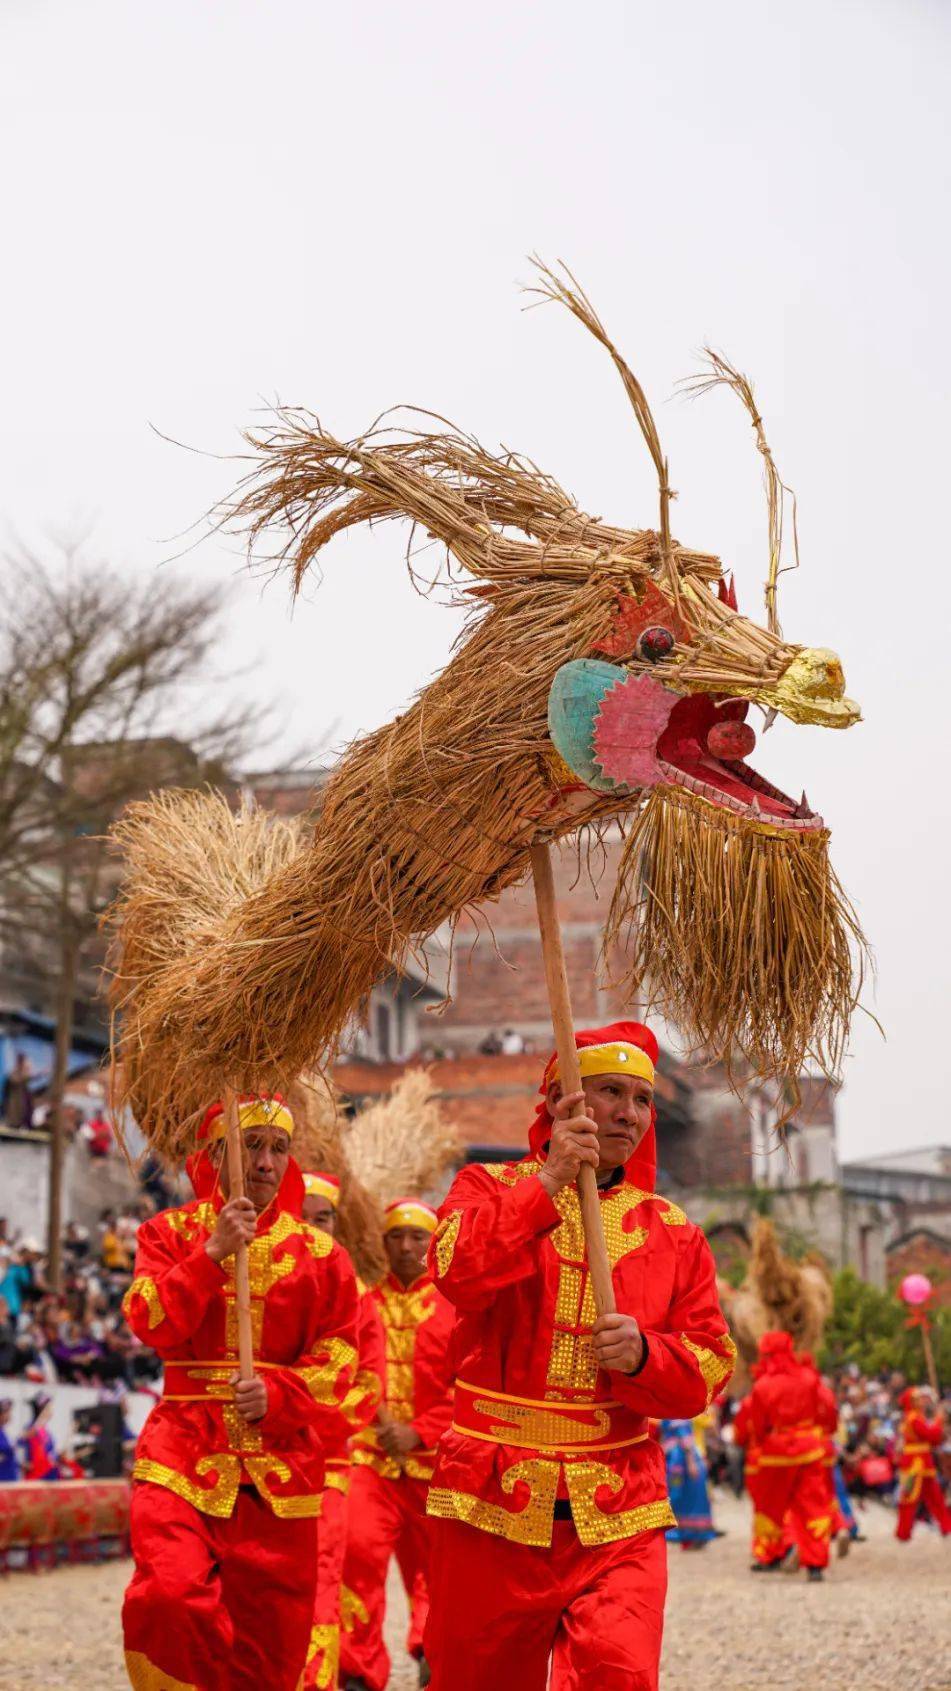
(217, 1605)
(384, 1518)
(323, 1655)
(932, 1497)
(499, 1611)
(801, 1491)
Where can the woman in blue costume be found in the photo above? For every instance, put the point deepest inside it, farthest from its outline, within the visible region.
(687, 1485)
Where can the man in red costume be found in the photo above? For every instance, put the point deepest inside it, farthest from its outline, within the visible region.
(228, 1471)
(549, 1497)
(792, 1415)
(921, 1434)
(393, 1462)
(321, 1208)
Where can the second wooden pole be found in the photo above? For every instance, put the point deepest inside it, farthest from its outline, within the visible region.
(599, 1263)
(241, 1281)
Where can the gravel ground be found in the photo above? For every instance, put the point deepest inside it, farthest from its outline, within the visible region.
(881, 1622)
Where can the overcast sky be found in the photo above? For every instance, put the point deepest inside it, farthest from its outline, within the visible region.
(209, 206)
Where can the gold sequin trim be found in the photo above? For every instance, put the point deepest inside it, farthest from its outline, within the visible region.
(593, 1525)
(145, 1676)
(530, 1525)
(300, 1508)
(144, 1287)
(715, 1369)
(445, 1236)
(217, 1499)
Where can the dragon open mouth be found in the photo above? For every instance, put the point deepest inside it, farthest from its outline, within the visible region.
(704, 747)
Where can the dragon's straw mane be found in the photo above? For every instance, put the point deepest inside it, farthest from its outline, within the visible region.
(435, 812)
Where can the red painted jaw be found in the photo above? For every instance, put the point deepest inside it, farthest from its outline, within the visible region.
(694, 751)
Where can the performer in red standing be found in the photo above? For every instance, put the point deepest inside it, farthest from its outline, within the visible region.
(792, 1415)
(918, 1475)
(393, 1462)
(549, 1496)
(765, 1540)
(228, 1470)
(321, 1208)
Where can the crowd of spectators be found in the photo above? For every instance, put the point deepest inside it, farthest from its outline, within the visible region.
(80, 1336)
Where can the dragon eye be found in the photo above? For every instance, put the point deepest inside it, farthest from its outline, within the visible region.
(655, 643)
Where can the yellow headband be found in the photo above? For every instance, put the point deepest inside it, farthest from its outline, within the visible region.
(615, 1058)
(256, 1112)
(322, 1186)
(409, 1212)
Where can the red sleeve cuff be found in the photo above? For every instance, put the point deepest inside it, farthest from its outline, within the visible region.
(203, 1270)
(538, 1210)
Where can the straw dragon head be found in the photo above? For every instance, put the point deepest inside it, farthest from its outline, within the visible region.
(604, 672)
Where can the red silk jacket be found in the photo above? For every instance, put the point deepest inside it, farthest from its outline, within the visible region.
(535, 1419)
(920, 1439)
(792, 1414)
(304, 1316)
(417, 1326)
(365, 1395)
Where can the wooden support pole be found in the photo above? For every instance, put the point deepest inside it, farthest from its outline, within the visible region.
(242, 1284)
(929, 1358)
(559, 1001)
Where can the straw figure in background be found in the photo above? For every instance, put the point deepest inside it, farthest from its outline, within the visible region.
(252, 1310)
(776, 1292)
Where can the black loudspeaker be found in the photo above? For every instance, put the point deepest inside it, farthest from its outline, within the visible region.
(104, 1428)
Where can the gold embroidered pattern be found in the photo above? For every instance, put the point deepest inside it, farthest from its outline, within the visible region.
(445, 1236)
(258, 1468)
(529, 1525)
(765, 1530)
(363, 1397)
(242, 1434)
(337, 1479)
(325, 1645)
(715, 1369)
(145, 1676)
(593, 1525)
(321, 1379)
(673, 1215)
(144, 1287)
(217, 1499)
(352, 1608)
(189, 1223)
(403, 1312)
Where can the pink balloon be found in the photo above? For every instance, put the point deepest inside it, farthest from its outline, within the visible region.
(915, 1288)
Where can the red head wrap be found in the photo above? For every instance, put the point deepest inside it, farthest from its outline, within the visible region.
(253, 1111)
(909, 1399)
(776, 1353)
(641, 1168)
